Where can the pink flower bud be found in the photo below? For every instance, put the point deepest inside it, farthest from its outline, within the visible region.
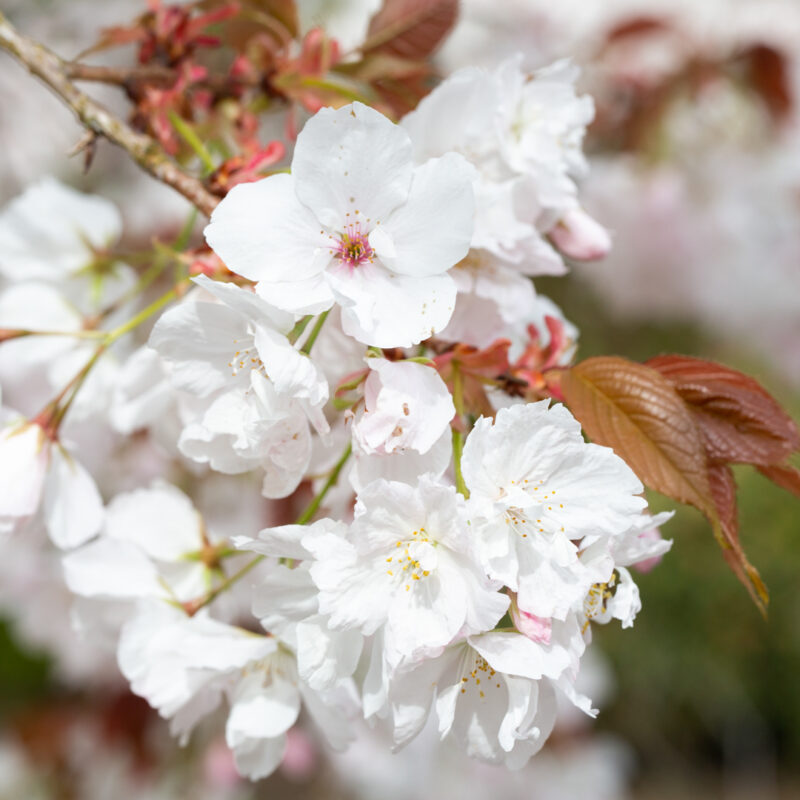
(219, 767)
(580, 237)
(300, 756)
(645, 565)
(537, 629)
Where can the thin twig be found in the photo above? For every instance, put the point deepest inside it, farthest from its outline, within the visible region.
(130, 77)
(144, 150)
(193, 606)
(120, 76)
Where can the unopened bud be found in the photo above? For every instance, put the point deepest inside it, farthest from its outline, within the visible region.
(537, 629)
(645, 565)
(580, 237)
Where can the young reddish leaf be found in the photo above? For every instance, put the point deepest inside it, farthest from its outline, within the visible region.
(637, 412)
(723, 491)
(769, 74)
(740, 421)
(116, 36)
(410, 29)
(476, 368)
(284, 11)
(784, 475)
(638, 26)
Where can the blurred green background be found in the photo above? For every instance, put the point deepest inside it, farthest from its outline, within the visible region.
(708, 691)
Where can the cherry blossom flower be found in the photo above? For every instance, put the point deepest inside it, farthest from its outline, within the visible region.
(542, 128)
(493, 694)
(153, 544)
(39, 476)
(525, 156)
(184, 666)
(260, 390)
(407, 565)
(287, 604)
(407, 406)
(51, 232)
(537, 489)
(355, 224)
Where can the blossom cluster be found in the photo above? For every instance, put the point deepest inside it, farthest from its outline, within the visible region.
(364, 336)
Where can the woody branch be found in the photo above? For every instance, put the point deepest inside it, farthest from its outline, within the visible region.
(144, 150)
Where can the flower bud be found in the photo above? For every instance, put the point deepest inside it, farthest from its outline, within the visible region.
(580, 237)
(537, 629)
(647, 564)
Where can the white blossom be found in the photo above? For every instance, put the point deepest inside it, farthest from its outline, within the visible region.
(407, 565)
(355, 224)
(39, 476)
(536, 491)
(261, 391)
(407, 406)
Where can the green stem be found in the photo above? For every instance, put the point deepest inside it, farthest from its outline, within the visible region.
(458, 436)
(6, 335)
(224, 586)
(312, 508)
(347, 92)
(56, 410)
(70, 392)
(160, 262)
(296, 332)
(185, 233)
(314, 505)
(144, 314)
(187, 133)
(458, 449)
(312, 337)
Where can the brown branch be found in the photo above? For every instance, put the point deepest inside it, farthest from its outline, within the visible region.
(131, 77)
(120, 76)
(144, 150)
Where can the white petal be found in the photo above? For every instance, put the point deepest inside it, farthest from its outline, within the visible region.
(292, 372)
(284, 598)
(406, 467)
(169, 657)
(37, 307)
(248, 304)
(143, 396)
(44, 232)
(109, 568)
(325, 656)
(24, 456)
(73, 508)
(160, 520)
(199, 341)
(258, 758)
(328, 711)
(408, 405)
(432, 230)
(387, 310)
(348, 159)
(516, 654)
(310, 296)
(261, 231)
(260, 711)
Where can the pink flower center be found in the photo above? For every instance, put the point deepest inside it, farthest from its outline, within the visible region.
(353, 248)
